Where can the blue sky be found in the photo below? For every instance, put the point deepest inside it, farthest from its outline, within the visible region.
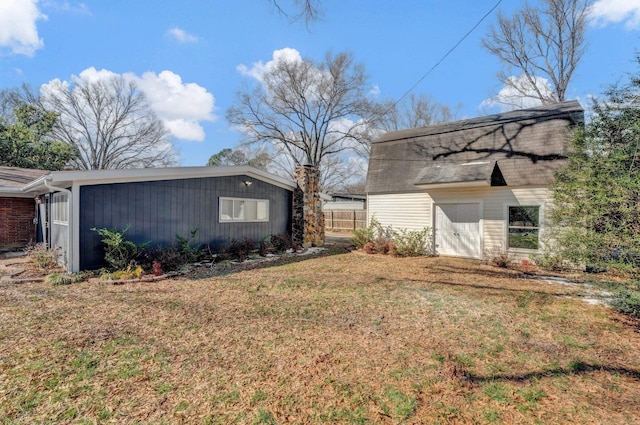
(186, 54)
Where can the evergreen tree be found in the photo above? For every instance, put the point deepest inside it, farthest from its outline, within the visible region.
(596, 210)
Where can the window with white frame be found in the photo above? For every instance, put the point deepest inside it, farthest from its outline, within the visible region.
(59, 210)
(239, 210)
(524, 227)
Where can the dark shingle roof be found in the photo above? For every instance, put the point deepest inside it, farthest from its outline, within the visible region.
(528, 145)
(18, 177)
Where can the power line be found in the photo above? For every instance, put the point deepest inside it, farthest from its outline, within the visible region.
(448, 53)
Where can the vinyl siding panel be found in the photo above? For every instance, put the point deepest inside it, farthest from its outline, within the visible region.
(410, 211)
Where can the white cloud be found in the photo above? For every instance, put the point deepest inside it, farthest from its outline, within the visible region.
(181, 35)
(258, 69)
(604, 12)
(375, 91)
(181, 106)
(510, 98)
(18, 31)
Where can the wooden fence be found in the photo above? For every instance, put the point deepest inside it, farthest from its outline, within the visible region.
(345, 219)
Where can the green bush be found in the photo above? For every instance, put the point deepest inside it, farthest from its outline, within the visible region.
(413, 243)
(376, 234)
(119, 252)
(627, 301)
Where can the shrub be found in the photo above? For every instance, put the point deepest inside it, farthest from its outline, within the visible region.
(119, 252)
(369, 248)
(627, 301)
(412, 243)
(281, 242)
(362, 236)
(240, 249)
(499, 257)
(376, 234)
(182, 251)
(189, 251)
(551, 261)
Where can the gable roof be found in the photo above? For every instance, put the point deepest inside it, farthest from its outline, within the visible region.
(525, 147)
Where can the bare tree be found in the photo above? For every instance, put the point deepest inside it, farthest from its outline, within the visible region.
(311, 111)
(415, 111)
(307, 10)
(335, 171)
(543, 43)
(109, 123)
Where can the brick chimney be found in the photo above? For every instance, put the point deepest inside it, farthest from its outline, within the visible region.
(308, 220)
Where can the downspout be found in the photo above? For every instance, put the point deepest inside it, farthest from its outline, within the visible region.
(53, 188)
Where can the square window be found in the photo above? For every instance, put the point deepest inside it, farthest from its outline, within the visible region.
(524, 227)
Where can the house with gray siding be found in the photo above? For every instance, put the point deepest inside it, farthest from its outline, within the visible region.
(480, 184)
(156, 204)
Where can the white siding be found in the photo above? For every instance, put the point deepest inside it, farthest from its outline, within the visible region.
(410, 211)
(413, 211)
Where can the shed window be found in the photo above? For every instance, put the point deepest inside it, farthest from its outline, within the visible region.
(238, 210)
(524, 227)
(59, 208)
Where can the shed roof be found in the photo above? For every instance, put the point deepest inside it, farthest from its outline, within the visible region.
(526, 147)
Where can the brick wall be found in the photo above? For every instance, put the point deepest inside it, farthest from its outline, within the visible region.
(16, 222)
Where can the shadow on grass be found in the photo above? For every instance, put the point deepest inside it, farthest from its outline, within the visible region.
(494, 288)
(218, 270)
(574, 368)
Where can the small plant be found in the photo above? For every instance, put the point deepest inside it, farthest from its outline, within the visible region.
(373, 239)
(190, 252)
(281, 242)
(57, 279)
(240, 249)
(119, 252)
(129, 273)
(499, 257)
(369, 248)
(42, 257)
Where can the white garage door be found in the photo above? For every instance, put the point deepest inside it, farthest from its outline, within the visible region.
(457, 230)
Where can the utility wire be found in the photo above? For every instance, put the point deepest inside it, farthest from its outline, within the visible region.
(447, 54)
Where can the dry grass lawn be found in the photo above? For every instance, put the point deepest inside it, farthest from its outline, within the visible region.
(347, 338)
